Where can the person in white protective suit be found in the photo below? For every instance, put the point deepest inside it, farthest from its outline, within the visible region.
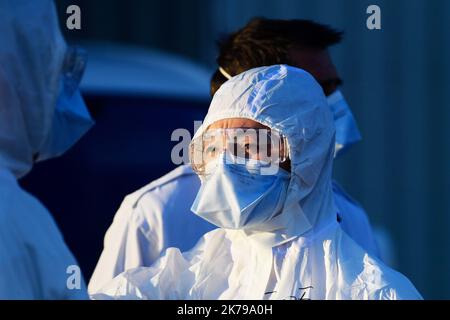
(41, 115)
(278, 237)
(158, 215)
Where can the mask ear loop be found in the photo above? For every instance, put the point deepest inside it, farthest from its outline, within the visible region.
(224, 73)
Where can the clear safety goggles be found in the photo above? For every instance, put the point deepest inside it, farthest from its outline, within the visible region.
(73, 68)
(240, 145)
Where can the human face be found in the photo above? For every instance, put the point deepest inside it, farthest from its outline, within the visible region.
(251, 148)
(318, 63)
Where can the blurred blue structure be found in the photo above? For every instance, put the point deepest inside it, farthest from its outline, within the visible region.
(397, 81)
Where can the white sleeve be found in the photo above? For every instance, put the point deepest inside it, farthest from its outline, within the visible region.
(169, 278)
(131, 241)
(34, 258)
(400, 288)
(407, 292)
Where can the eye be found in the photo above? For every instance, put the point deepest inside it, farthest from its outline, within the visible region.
(210, 150)
(251, 150)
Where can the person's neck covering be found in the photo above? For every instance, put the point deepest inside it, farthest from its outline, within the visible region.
(31, 56)
(289, 100)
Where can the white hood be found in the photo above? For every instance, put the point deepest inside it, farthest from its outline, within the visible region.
(289, 100)
(31, 55)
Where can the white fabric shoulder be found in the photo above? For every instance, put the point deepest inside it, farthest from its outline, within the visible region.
(137, 235)
(172, 176)
(34, 256)
(136, 206)
(173, 276)
(224, 263)
(368, 277)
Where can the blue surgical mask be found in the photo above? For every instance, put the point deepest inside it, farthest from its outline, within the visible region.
(238, 196)
(347, 132)
(71, 118)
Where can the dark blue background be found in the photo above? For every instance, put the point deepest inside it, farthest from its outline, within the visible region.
(126, 149)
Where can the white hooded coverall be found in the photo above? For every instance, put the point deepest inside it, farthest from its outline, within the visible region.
(35, 263)
(302, 252)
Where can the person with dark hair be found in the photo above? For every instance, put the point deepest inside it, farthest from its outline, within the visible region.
(265, 42)
(159, 215)
(303, 44)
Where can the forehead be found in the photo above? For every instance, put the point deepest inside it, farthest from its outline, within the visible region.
(315, 61)
(236, 123)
